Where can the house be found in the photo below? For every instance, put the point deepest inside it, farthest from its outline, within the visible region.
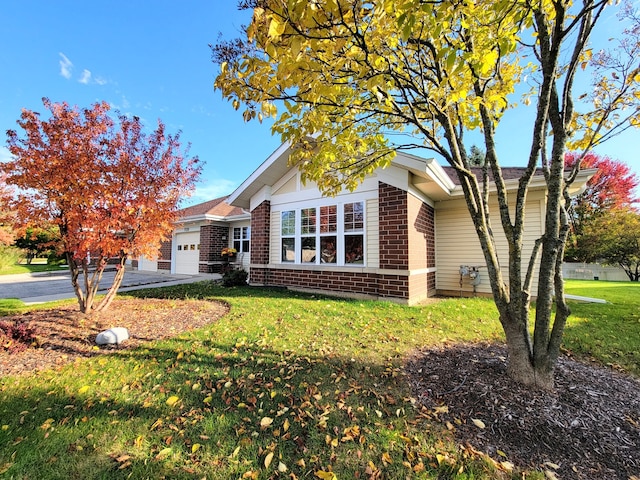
(201, 234)
(403, 235)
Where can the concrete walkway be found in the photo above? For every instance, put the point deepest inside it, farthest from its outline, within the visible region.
(49, 286)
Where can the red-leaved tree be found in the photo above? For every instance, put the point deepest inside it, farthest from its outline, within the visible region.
(112, 189)
(610, 188)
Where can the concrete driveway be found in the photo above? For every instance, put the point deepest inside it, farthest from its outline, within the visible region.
(45, 287)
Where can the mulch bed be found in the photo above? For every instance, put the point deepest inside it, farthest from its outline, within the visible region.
(64, 334)
(587, 428)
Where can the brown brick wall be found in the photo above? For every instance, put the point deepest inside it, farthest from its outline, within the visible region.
(211, 245)
(406, 225)
(390, 286)
(260, 230)
(164, 258)
(394, 230)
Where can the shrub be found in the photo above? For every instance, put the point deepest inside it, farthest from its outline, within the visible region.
(54, 259)
(16, 336)
(235, 278)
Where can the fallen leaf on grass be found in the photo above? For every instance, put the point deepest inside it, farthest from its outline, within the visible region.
(268, 459)
(165, 452)
(326, 475)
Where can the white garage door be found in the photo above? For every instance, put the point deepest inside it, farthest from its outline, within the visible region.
(187, 252)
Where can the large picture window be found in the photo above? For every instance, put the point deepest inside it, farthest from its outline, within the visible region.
(328, 234)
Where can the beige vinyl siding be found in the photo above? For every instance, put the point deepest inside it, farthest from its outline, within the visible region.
(274, 247)
(457, 243)
(372, 233)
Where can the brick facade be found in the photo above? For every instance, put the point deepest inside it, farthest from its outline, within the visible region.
(164, 259)
(406, 242)
(394, 229)
(260, 230)
(213, 238)
(354, 283)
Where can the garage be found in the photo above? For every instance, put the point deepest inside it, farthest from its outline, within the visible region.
(187, 253)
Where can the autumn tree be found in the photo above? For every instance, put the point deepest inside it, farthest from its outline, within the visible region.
(350, 82)
(614, 239)
(611, 187)
(111, 189)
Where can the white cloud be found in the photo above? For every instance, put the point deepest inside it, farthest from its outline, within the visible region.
(100, 80)
(5, 155)
(85, 77)
(213, 189)
(65, 66)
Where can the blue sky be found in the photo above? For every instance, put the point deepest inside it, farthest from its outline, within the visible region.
(152, 59)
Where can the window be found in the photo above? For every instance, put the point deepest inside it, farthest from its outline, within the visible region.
(241, 238)
(329, 234)
(354, 223)
(308, 232)
(288, 232)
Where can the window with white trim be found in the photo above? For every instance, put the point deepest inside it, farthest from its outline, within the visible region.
(241, 238)
(327, 235)
(288, 232)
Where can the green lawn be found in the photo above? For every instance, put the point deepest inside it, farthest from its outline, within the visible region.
(284, 384)
(36, 266)
(608, 333)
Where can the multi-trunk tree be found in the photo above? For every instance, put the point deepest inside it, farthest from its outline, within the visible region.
(349, 83)
(111, 189)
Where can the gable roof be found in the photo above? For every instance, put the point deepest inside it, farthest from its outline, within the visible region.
(216, 209)
(437, 182)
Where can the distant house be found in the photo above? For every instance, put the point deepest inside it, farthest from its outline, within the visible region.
(403, 235)
(201, 234)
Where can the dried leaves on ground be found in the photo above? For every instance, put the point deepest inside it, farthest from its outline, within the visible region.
(64, 334)
(587, 428)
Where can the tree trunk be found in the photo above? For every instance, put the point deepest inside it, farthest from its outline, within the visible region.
(520, 364)
(74, 269)
(113, 290)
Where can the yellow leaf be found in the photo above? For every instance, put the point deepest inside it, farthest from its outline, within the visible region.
(268, 459)
(165, 452)
(265, 422)
(83, 389)
(195, 447)
(282, 467)
(275, 28)
(285, 427)
(326, 475)
(386, 459)
(172, 400)
(478, 423)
